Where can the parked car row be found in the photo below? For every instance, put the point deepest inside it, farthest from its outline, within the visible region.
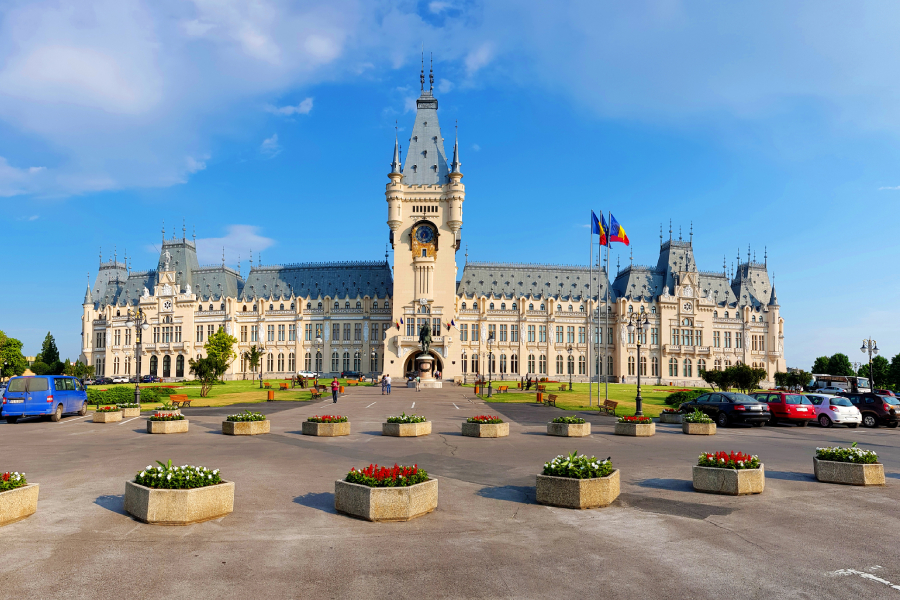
(121, 379)
(759, 408)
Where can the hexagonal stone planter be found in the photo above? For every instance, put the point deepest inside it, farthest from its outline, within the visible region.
(129, 413)
(178, 507)
(406, 429)
(831, 471)
(107, 417)
(636, 429)
(385, 503)
(18, 504)
(731, 482)
(482, 430)
(245, 427)
(569, 429)
(167, 426)
(672, 418)
(577, 493)
(325, 429)
(699, 428)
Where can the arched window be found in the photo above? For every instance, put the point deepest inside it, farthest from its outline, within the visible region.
(717, 364)
(631, 365)
(609, 365)
(281, 306)
(154, 362)
(531, 307)
(701, 366)
(358, 304)
(179, 366)
(167, 366)
(531, 363)
(222, 306)
(514, 307)
(726, 314)
(475, 306)
(357, 361)
(335, 362)
(307, 362)
(542, 364)
(542, 307)
(654, 367)
(346, 361)
(475, 364)
(211, 307)
(491, 306)
(118, 313)
(292, 306)
(630, 308)
(318, 362)
(280, 362)
(570, 308)
(347, 304)
(375, 305)
(387, 304)
(337, 305)
(254, 308)
(715, 314)
(200, 308)
(270, 362)
(652, 310)
(570, 365)
(271, 307)
(319, 306)
(116, 366)
(503, 306)
(673, 367)
(514, 364)
(559, 364)
(644, 366)
(503, 363)
(642, 308)
(688, 368)
(753, 319)
(582, 365)
(245, 308)
(292, 362)
(463, 306)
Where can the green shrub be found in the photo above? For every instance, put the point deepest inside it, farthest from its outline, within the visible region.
(676, 398)
(125, 395)
(845, 454)
(569, 420)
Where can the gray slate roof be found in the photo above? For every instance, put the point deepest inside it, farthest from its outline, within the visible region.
(426, 161)
(313, 280)
(515, 280)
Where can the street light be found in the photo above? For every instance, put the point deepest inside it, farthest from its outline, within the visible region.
(642, 322)
(372, 363)
(870, 346)
(319, 349)
(262, 355)
(138, 320)
(571, 365)
(490, 342)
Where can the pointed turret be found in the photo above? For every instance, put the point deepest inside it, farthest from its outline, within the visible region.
(395, 166)
(773, 301)
(455, 165)
(87, 296)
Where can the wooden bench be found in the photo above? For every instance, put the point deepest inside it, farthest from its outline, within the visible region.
(503, 389)
(314, 393)
(542, 388)
(179, 400)
(609, 407)
(282, 386)
(267, 385)
(551, 399)
(562, 388)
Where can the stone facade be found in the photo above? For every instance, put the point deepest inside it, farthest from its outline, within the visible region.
(107, 417)
(699, 428)
(542, 320)
(406, 429)
(167, 426)
(635, 429)
(325, 429)
(245, 427)
(485, 430)
(569, 429)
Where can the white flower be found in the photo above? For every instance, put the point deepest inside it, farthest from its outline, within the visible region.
(169, 476)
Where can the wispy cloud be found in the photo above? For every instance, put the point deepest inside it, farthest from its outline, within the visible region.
(15, 181)
(444, 86)
(270, 146)
(479, 57)
(237, 242)
(301, 109)
(439, 6)
(476, 147)
(887, 187)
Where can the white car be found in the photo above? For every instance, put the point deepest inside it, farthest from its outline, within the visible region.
(120, 379)
(306, 374)
(830, 390)
(835, 410)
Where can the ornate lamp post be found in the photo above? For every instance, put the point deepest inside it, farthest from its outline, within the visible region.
(571, 366)
(138, 320)
(490, 342)
(262, 355)
(641, 322)
(320, 348)
(374, 356)
(870, 346)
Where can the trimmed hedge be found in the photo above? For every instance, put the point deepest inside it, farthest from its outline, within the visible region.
(676, 398)
(124, 395)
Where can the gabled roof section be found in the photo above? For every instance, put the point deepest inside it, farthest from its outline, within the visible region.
(516, 280)
(332, 279)
(639, 282)
(426, 161)
(182, 260)
(751, 284)
(675, 256)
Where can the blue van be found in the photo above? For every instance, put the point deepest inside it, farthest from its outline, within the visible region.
(43, 395)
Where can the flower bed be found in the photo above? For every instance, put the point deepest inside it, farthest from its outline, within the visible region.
(172, 495)
(107, 414)
(671, 416)
(698, 416)
(386, 494)
(130, 409)
(485, 420)
(246, 416)
(107, 409)
(698, 423)
(635, 419)
(405, 418)
(167, 422)
(733, 473)
(849, 466)
(569, 427)
(635, 426)
(327, 419)
(18, 498)
(575, 481)
(326, 426)
(166, 416)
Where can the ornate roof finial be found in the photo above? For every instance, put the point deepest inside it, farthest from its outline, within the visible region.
(467, 254)
(115, 255)
(164, 230)
(251, 259)
(422, 72)
(431, 72)
(194, 234)
(183, 230)
(631, 257)
(239, 266)
(660, 234)
(125, 257)
(670, 230)
(692, 232)
(724, 265)
(101, 255)
(223, 256)
(679, 233)
(386, 259)
(455, 165)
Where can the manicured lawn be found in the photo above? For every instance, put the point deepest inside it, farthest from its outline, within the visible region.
(577, 399)
(230, 392)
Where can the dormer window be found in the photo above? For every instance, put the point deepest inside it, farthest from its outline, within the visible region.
(415, 167)
(271, 307)
(503, 306)
(464, 306)
(358, 304)
(375, 305)
(425, 153)
(254, 308)
(309, 306)
(542, 307)
(531, 307)
(281, 307)
(320, 306)
(337, 305)
(492, 306)
(570, 308)
(514, 306)
(347, 305)
(210, 307)
(474, 306)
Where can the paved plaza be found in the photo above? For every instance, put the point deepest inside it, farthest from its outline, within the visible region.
(487, 539)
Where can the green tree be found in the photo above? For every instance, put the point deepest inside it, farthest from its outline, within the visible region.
(820, 367)
(68, 368)
(801, 379)
(81, 370)
(50, 355)
(12, 362)
(745, 378)
(220, 346)
(39, 367)
(207, 370)
(894, 372)
(881, 372)
(711, 378)
(839, 364)
(254, 357)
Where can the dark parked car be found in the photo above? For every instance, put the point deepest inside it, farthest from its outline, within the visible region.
(788, 408)
(149, 379)
(729, 407)
(876, 410)
(351, 375)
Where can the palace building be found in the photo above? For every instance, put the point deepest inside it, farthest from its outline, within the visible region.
(509, 319)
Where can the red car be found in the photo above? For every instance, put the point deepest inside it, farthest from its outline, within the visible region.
(885, 392)
(790, 408)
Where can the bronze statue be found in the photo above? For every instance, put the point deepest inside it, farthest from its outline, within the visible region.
(425, 337)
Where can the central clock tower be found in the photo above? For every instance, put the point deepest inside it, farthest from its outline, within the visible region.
(424, 199)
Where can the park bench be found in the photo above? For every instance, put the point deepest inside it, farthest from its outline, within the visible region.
(314, 393)
(542, 388)
(503, 389)
(267, 385)
(551, 399)
(282, 386)
(562, 388)
(179, 400)
(609, 407)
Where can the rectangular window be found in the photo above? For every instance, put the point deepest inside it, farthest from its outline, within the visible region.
(384, 330)
(630, 337)
(156, 335)
(254, 333)
(127, 337)
(717, 339)
(762, 344)
(99, 339)
(676, 337)
(199, 333)
(307, 334)
(292, 334)
(281, 332)
(374, 334)
(581, 335)
(738, 340)
(177, 333)
(243, 333)
(698, 337)
(654, 336)
(570, 334)
(609, 338)
(475, 336)
(728, 339)
(464, 332)
(559, 334)
(210, 331)
(514, 333)
(410, 327)
(531, 338)
(357, 332)
(503, 333)
(492, 332)
(347, 333)
(542, 333)
(270, 333)
(320, 329)
(435, 327)
(117, 337)
(336, 332)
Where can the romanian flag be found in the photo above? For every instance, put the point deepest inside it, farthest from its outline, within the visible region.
(616, 232)
(598, 229)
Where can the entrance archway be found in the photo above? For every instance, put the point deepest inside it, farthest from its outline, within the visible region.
(409, 366)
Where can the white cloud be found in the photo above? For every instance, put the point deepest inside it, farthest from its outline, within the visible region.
(238, 241)
(479, 57)
(301, 109)
(270, 146)
(444, 86)
(438, 6)
(476, 147)
(409, 104)
(15, 181)
(896, 187)
(196, 164)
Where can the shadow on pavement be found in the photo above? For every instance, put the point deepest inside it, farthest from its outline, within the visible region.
(456, 433)
(323, 501)
(523, 494)
(790, 475)
(112, 503)
(664, 506)
(676, 485)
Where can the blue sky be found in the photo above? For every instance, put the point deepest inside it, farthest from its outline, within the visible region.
(269, 125)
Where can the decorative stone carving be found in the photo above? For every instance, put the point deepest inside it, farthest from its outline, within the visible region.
(167, 257)
(187, 289)
(146, 292)
(688, 292)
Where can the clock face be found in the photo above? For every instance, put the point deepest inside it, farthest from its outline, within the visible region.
(425, 235)
(167, 305)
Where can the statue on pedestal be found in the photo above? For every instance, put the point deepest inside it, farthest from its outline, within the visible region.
(425, 337)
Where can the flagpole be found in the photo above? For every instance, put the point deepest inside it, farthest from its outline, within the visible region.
(590, 308)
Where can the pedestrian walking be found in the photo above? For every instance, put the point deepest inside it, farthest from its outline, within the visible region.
(383, 385)
(388, 379)
(334, 390)
(418, 382)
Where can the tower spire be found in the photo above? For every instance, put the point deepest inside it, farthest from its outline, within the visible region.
(183, 230)
(766, 255)
(692, 232)
(395, 166)
(101, 256)
(164, 230)
(455, 165)
(660, 234)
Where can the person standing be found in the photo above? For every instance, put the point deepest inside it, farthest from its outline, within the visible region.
(334, 390)
(383, 385)
(418, 381)
(387, 378)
